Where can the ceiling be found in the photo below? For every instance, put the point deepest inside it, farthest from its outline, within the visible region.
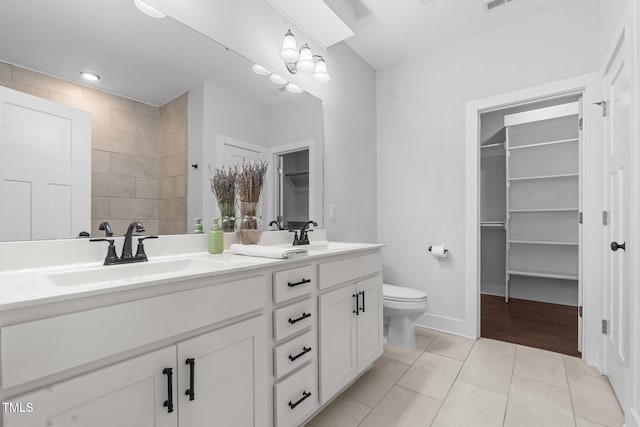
(391, 31)
(138, 57)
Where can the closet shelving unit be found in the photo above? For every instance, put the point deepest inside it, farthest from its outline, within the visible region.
(542, 198)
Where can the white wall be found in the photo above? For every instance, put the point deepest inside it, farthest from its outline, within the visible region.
(421, 139)
(295, 121)
(255, 30)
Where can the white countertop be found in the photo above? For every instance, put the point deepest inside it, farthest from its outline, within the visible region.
(40, 285)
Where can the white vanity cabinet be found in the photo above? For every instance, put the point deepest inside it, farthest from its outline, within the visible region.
(350, 333)
(295, 389)
(229, 374)
(225, 369)
(127, 394)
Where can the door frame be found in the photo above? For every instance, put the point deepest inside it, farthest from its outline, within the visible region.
(315, 177)
(589, 86)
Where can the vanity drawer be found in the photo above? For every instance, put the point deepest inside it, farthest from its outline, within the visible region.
(293, 318)
(44, 347)
(299, 391)
(293, 354)
(347, 270)
(293, 283)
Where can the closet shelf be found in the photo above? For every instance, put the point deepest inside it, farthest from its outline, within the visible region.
(492, 224)
(546, 275)
(541, 144)
(544, 210)
(489, 146)
(540, 242)
(531, 178)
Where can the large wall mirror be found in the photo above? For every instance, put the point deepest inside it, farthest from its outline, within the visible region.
(170, 105)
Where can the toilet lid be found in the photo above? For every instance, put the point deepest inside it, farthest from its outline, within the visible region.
(399, 293)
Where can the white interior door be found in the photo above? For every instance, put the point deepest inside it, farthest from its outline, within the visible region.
(620, 253)
(45, 168)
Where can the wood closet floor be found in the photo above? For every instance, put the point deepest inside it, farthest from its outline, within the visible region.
(551, 327)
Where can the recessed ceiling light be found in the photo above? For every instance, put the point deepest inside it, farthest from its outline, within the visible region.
(92, 77)
(259, 69)
(293, 88)
(148, 9)
(277, 79)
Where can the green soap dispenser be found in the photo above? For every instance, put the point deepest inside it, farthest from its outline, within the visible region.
(216, 238)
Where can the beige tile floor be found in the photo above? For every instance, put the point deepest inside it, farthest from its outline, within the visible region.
(449, 381)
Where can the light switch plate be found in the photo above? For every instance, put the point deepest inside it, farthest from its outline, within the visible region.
(332, 211)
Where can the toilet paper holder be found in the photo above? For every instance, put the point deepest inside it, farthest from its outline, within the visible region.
(445, 249)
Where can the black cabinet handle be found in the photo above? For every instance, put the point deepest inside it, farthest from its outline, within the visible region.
(615, 246)
(169, 402)
(302, 282)
(304, 316)
(191, 391)
(304, 351)
(357, 310)
(362, 292)
(305, 395)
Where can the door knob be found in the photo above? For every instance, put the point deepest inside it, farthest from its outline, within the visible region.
(615, 246)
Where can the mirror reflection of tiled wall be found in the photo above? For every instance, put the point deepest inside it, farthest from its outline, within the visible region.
(139, 152)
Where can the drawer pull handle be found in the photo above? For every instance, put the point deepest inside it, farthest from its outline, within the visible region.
(169, 402)
(304, 316)
(362, 292)
(305, 394)
(302, 282)
(191, 391)
(357, 310)
(304, 351)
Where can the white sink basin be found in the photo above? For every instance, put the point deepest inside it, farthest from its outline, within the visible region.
(136, 272)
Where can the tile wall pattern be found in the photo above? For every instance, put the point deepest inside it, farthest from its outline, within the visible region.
(138, 152)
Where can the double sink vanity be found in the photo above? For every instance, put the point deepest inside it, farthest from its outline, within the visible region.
(185, 339)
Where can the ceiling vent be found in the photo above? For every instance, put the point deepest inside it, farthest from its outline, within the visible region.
(491, 5)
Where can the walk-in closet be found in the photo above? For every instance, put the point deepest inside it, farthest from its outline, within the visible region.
(530, 212)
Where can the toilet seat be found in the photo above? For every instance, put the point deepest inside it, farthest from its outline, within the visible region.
(402, 294)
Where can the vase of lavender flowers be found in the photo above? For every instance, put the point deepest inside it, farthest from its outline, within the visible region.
(249, 180)
(223, 185)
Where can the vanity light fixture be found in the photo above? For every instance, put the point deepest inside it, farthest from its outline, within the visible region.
(259, 69)
(293, 88)
(303, 60)
(92, 77)
(277, 79)
(149, 10)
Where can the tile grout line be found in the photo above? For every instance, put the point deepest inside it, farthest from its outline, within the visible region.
(453, 383)
(566, 377)
(513, 368)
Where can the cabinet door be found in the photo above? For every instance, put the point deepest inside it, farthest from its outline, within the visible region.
(338, 353)
(370, 341)
(128, 394)
(230, 375)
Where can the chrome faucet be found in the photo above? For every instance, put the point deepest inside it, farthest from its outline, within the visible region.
(304, 238)
(104, 226)
(126, 246)
(127, 256)
(277, 224)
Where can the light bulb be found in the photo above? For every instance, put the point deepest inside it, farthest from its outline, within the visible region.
(92, 77)
(293, 88)
(320, 74)
(305, 63)
(259, 69)
(149, 10)
(277, 79)
(289, 49)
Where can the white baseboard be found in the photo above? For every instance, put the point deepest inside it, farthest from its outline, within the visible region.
(449, 325)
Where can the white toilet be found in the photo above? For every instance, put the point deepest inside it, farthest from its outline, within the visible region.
(401, 307)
